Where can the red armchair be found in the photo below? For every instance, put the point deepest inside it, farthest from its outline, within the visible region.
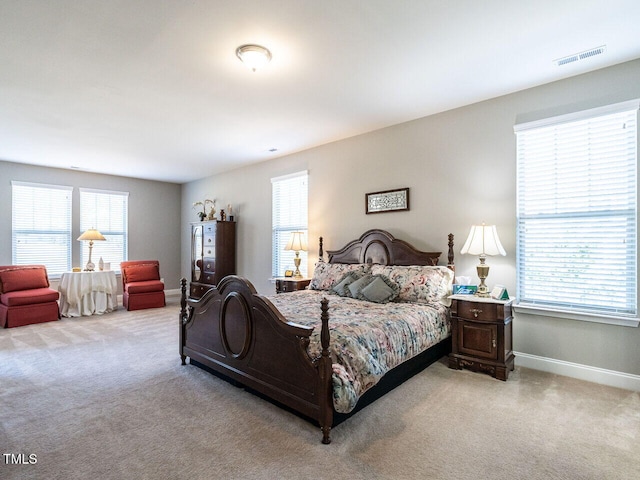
(25, 296)
(141, 285)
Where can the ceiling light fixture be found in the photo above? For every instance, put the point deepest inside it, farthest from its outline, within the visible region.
(253, 56)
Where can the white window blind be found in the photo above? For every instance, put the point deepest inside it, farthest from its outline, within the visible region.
(108, 212)
(289, 209)
(577, 212)
(41, 226)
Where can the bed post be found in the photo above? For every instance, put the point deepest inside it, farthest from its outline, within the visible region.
(325, 370)
(451, 255)
(183, 316)
(320, 253)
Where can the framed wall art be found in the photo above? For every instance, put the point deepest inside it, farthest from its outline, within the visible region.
(387, 201)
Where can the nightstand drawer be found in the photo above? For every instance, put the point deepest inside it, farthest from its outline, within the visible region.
(482, 311)
(284, 285)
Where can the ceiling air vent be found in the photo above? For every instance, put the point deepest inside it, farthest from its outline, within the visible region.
(581, 56)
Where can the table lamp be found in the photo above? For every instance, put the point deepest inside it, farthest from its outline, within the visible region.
(91, 235)
(483, 240)
(296, 243)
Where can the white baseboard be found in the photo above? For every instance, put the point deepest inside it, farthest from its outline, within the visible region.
(173, 293)
(581, 372)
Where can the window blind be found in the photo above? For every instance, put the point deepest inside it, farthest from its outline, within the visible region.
(289, 214)
(41, 226)
(108, 212)
(577, 211)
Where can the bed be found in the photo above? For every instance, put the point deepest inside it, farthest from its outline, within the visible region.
(375, 314)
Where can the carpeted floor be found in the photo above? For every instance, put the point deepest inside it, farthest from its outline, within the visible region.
(105, 397)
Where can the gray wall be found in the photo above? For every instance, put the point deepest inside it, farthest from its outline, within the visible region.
(460, 167)
(154, 213)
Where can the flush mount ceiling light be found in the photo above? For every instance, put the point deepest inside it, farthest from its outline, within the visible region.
(253, 56)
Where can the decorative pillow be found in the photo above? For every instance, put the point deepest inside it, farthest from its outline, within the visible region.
(356, 287)
(419, 284)
(142, 273)
(380, 290)
(341, 287)
(326, 275)
(23, 279)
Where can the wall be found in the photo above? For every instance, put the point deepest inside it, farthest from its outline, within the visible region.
(154, 213)
(460, 167)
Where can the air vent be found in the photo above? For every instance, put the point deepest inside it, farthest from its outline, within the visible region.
(581, 56)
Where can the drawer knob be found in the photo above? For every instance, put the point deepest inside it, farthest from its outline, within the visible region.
(476, 312)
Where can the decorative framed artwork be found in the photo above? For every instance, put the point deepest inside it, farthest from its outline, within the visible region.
(288, 273)
(387, 201)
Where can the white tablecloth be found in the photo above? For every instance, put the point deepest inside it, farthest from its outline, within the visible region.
(87, 293)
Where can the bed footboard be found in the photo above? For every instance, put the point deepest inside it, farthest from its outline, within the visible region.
(237, 332)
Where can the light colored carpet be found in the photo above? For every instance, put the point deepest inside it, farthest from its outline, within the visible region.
(106, 398)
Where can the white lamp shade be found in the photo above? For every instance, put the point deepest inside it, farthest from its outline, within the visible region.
(91, 234)
(483, 240)
(253, 56)
(297, 242)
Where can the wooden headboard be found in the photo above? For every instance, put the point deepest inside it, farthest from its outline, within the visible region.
(380, 247)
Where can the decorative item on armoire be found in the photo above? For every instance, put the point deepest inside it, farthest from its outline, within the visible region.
(203, 214)
(212, 212)
(223, 216)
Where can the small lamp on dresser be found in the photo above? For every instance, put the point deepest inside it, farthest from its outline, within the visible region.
(297, 242)
(483, 240)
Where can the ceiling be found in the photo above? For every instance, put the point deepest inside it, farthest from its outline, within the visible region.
(152, 88)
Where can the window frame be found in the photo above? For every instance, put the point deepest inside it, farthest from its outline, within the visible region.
(66, 233)
(280, 233)
(562, 311)
(104, 226)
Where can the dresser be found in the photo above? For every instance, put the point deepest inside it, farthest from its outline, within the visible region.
(213, 254)
(482, 333)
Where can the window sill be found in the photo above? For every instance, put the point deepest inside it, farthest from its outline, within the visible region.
(580, 316)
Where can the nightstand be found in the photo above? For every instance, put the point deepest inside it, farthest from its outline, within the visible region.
(481, 335)
(291, 284)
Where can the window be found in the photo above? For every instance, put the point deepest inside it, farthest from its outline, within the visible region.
(107, 211)
(41, 226)
(577, 212)
(289, 209)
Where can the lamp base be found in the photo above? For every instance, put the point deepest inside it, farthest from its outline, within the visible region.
(483, 290)
(90, 266)
(296, 261)
(483, 273)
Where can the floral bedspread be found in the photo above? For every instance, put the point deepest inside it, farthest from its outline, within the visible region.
(367, 339)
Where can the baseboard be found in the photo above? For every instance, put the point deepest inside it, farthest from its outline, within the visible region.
(173, 293)
(581, 372)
